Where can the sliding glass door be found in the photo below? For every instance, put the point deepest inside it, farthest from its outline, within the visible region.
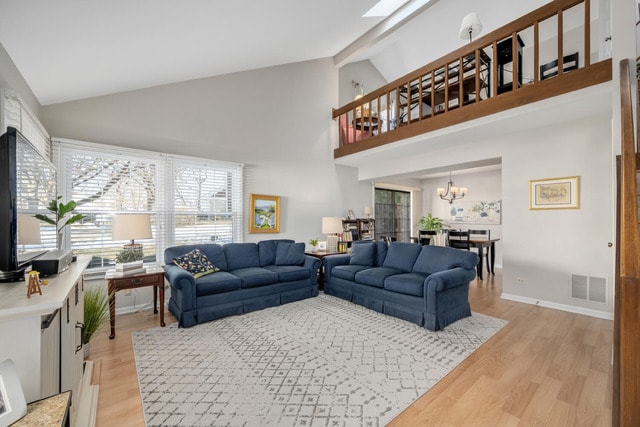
(393, 214)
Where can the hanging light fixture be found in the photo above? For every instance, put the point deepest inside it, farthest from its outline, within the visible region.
(452, 192)
(471, 26)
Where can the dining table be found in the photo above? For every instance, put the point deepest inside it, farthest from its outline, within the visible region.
(481, 245)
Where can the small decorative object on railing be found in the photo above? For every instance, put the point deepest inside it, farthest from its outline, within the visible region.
(452, 192)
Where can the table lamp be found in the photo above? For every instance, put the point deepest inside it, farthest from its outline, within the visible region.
(131, 227)
(331, 226)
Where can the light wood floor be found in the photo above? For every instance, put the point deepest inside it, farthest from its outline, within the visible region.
(546, 368)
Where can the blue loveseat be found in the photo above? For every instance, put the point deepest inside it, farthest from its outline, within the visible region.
(251, 276)
(426, 285)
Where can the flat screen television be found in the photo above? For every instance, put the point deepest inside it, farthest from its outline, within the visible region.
(27, 185)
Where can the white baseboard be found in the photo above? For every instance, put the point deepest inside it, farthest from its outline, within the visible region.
(561, 307)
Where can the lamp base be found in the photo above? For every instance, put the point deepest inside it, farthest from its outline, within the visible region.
(131, 252)
(332, 243)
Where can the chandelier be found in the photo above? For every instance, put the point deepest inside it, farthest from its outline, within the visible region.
(452, 192)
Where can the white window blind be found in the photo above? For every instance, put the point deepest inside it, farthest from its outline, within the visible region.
(15, 113)
(189, 201)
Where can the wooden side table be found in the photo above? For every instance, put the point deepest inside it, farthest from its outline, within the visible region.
(320, 255)
(152, 277)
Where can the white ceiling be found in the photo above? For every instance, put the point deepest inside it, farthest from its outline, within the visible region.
(74, 49)
(71, 49)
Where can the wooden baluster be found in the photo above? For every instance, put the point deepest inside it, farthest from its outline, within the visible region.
(514, 61)
(433, 93)
(461, 81)
(477, 82)
(536, 52)
(560, 43)
(494, 68)
(587, 33)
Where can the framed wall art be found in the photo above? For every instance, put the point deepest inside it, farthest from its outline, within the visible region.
(554, 193)
(264, 214)
(475, 212)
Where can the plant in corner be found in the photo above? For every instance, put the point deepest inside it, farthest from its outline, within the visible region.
(430, 223)
(96, 311)
(63, 216)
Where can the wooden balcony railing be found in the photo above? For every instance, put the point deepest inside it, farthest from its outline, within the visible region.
(478, 79)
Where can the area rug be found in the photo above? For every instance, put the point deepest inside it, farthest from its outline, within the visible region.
(320, 361)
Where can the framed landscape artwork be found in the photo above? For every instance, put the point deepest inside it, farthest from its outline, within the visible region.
(475, 212)
(554, 193)
(264, 214)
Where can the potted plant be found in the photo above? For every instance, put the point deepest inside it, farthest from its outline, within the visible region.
(96, 311)
(63, 216)
(314, 245)
(430, 223)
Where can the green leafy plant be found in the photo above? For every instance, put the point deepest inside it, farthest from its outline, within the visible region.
(313, 242)
(96, 311)
(430, 223)
(63, 214)
(128, 256)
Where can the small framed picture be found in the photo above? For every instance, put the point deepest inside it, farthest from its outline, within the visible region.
(13, 406)
(554, 193)
(351, 215)
(264, 212)
(322, 246)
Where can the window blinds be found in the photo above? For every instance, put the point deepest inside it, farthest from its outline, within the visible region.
(189, 200)
(13, 112)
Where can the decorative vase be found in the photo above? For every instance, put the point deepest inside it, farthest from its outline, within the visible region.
(314, 249)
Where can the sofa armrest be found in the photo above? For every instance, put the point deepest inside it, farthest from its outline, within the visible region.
(313, 264)
(179, 278)
(447, 279)
(331, 261)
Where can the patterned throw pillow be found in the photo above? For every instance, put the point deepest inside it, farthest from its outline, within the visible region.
(196, 263)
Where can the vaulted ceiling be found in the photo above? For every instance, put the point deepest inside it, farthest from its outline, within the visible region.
(69, 49)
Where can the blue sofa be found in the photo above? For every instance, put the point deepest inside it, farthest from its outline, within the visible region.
(251, 276)
(426, 285)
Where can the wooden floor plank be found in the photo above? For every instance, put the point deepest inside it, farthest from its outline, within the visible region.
(546, 367)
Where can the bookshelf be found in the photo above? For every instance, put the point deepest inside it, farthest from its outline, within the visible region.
(356, 229)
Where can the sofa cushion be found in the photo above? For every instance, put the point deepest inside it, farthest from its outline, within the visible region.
(241, 255)
(347, 272)
(363, 253)
(402, 256)
(289, 273)
(267, 250)
(381, 252)
(255, 276)
(374, 276)
(437, 258)
(196, 263)
(290, 254)
(217, 283)
(406, 283)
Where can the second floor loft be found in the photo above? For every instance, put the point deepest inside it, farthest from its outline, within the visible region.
(512, 66)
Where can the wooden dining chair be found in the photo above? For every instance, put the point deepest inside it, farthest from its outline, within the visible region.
(459, 239)
(425, 236)
(482, 235)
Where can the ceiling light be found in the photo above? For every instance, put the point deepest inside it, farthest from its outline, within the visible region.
(384, 8)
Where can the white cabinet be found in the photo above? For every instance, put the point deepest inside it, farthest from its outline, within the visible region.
(42, 334)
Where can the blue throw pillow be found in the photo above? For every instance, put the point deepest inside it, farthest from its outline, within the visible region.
(290, 254)
(363, 254)
(196, 263)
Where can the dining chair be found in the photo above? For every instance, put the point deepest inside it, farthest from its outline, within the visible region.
(482, 235)
(459, 239)
(425, 236)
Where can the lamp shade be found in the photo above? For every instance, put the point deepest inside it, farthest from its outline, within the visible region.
(28, 230)
(131, 227)
(331, 225)
(471, 26)
(368, 210)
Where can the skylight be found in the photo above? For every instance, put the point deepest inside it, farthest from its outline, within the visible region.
(384, 8)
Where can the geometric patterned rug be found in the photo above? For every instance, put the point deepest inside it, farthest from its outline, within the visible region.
(318, 362)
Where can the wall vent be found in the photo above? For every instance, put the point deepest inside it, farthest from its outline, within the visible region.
(589, 288)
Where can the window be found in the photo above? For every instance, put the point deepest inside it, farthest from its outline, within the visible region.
(393, 214)
(189, 200)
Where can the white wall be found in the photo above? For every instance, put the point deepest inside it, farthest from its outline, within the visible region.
(10, 78)
(277, 121)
